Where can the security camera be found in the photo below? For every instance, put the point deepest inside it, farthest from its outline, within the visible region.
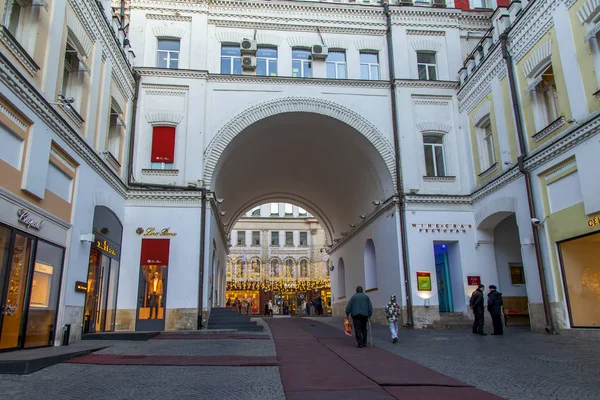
(536, 221)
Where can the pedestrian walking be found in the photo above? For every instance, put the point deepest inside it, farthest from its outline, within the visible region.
(270, 305)
(495, 309)
(244, 305)
(392, 311)
(476, 303)
(303, 307)
(360, 309)
(238, 305)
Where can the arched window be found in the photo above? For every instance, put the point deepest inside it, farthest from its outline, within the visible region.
(433, 147)
(341, 278)
(255, 266)
(303, 268)
(239, 271)
(274, 267)
(289, 268)
(370, 265)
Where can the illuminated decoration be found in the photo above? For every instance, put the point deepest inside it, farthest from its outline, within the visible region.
(424, 281)
(105, 247)
(274, 275)
(590, 280)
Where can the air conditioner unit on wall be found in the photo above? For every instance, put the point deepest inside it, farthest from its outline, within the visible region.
(248, 63)
(248, 46)
(319, 52)
(439, 3)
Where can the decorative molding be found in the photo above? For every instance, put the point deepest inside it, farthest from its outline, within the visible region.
(13, 117)
(112, 160)
(289, 105)
(230, 37)
(168, 32)
(417, 83)
(192, 199)
(431, 100)
(263, 39)
(482, 112)
(489, 171)
(501, 204)
(589, 9)
(163, 17)
(433, 126)
(439, 178)
(528, 31)
(73, 114)
(160, 172)
(336, 42)
(370, 44)
(150, 92)
(416, 32)
(478, 85)
(306, 41)
(426, 45)
(550, 129)
(538, 60)
(65, 163)
(164, 117)
(172, 73)
(563, 168)
(283, 80)
(18, 51)
(78, 33)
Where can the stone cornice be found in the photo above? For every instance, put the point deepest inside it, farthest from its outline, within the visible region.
(281, 80)
(534, 22)
(168, 198)
(30, 96)
(172, 73)
(416, 83)
(479, 84)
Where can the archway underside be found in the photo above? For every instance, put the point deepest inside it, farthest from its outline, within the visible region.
(310, 160)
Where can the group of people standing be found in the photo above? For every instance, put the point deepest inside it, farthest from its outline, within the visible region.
(494, 306)
(316, 305)
(243, 306)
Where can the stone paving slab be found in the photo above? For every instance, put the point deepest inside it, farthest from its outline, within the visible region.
(169, 360)
(174, 336)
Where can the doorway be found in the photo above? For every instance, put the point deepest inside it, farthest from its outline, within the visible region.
(152, 298)
(101, 296)
(444, 281)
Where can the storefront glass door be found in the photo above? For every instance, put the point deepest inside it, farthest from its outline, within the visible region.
(14, 290)
(152, 298)
(101, 296)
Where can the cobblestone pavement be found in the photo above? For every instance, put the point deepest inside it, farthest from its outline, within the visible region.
(520, 365)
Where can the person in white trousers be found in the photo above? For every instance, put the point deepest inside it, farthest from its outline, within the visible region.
(392, 311)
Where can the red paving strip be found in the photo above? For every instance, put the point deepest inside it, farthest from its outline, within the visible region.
(308, 351)
(215, 361)
(175, 336)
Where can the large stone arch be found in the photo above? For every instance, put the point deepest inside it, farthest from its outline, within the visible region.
(295, 105)
(494, 211)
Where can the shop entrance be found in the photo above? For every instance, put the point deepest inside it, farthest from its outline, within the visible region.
(30, 275)
(101, 295)
(444, 282)
(152, 290)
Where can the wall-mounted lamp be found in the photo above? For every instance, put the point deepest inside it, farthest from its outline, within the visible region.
(89, 237)
(223, 213)
(427, 302)
(414, 190)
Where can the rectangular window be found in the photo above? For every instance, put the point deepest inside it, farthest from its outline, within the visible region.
(74, 72)
(241, 238)
(11, 151)
(488, 143)
(289, 238)
(113, 143)
(517, 274)
(289, 209)
(426, 65)
(274, 208)
(547, 87)
(231, 60)
(434, 155)
(369, 66)
(301, 64)
(266, 61)
(255, 238)
(274, 238)
(167, 55)
(163, 147)
(303, 239)
(59, 183)
(336, 65)
(482, 4)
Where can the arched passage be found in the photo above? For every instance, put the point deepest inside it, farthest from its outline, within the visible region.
(370, 265)
(341, 277)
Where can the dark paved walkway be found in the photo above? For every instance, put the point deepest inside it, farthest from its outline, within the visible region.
(317, 361)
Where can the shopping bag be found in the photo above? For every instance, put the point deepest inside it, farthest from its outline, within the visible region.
(348, 327)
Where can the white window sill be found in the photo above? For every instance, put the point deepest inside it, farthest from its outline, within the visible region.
(72, 114)
(112, 160)
(550, 129)
(439, 178)
(160, 172)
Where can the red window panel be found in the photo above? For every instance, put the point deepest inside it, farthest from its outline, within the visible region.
(155, 252)
(163, 144)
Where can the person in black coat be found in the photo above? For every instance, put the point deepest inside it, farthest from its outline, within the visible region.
(495, 309)
(476, 303)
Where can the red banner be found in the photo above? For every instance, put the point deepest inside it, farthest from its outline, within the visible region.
(155, 252)
(163, 144)
(473, 280)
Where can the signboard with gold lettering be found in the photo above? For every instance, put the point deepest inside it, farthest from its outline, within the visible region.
(594, 221)
(80, 286)
(154, 232)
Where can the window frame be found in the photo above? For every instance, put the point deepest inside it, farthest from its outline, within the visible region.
(337, 64)
(289, 235)
(369, 65)
(163, 165)
(272, 208)
(241, 235)
(427, 66)
(434, 155)
(275, 235)
(73, 79)
(305, 63)
(231, 58)
(305, 237)
(255, 234)
(115, 132)
(544, 96)
(485, 138)
(169, 53)
(267, 61)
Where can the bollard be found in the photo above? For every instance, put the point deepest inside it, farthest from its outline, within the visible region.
(66, 334)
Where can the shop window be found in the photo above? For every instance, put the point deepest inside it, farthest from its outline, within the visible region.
(426, 65)
(289, 210)
(289, 238)
(581, 275)
(336, 64)
(241, 238)
(153, 284)
(231, 59)
(303, 239)
(275, 209)
(517, 274)
(266, 61)
(163, 147)
(274, 267)
(11, 151)
(167, 54)
(369, 66)
(274, 238)
(301, 63)
(544, 96)
(433, 146)
(75, 73)
(255, 238)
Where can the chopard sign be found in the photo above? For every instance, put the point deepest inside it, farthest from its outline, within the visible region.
(26, 219)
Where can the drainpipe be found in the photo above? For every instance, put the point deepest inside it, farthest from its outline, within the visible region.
(201, 262)
(521, 164)
(399, 188)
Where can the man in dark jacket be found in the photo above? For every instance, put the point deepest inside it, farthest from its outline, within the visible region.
(495, 308)
(476, 303)
(360, 309)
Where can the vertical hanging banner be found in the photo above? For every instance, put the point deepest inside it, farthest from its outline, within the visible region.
(424, 281)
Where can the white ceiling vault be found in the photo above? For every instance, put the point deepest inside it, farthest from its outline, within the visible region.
(311, 160)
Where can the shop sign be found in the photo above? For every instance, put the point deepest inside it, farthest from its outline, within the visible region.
(105, 247)
(153, 232)
(473, 280)
(26, 219)
(594, 221)
(442, 228)
(80, 286)
(424, 281)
